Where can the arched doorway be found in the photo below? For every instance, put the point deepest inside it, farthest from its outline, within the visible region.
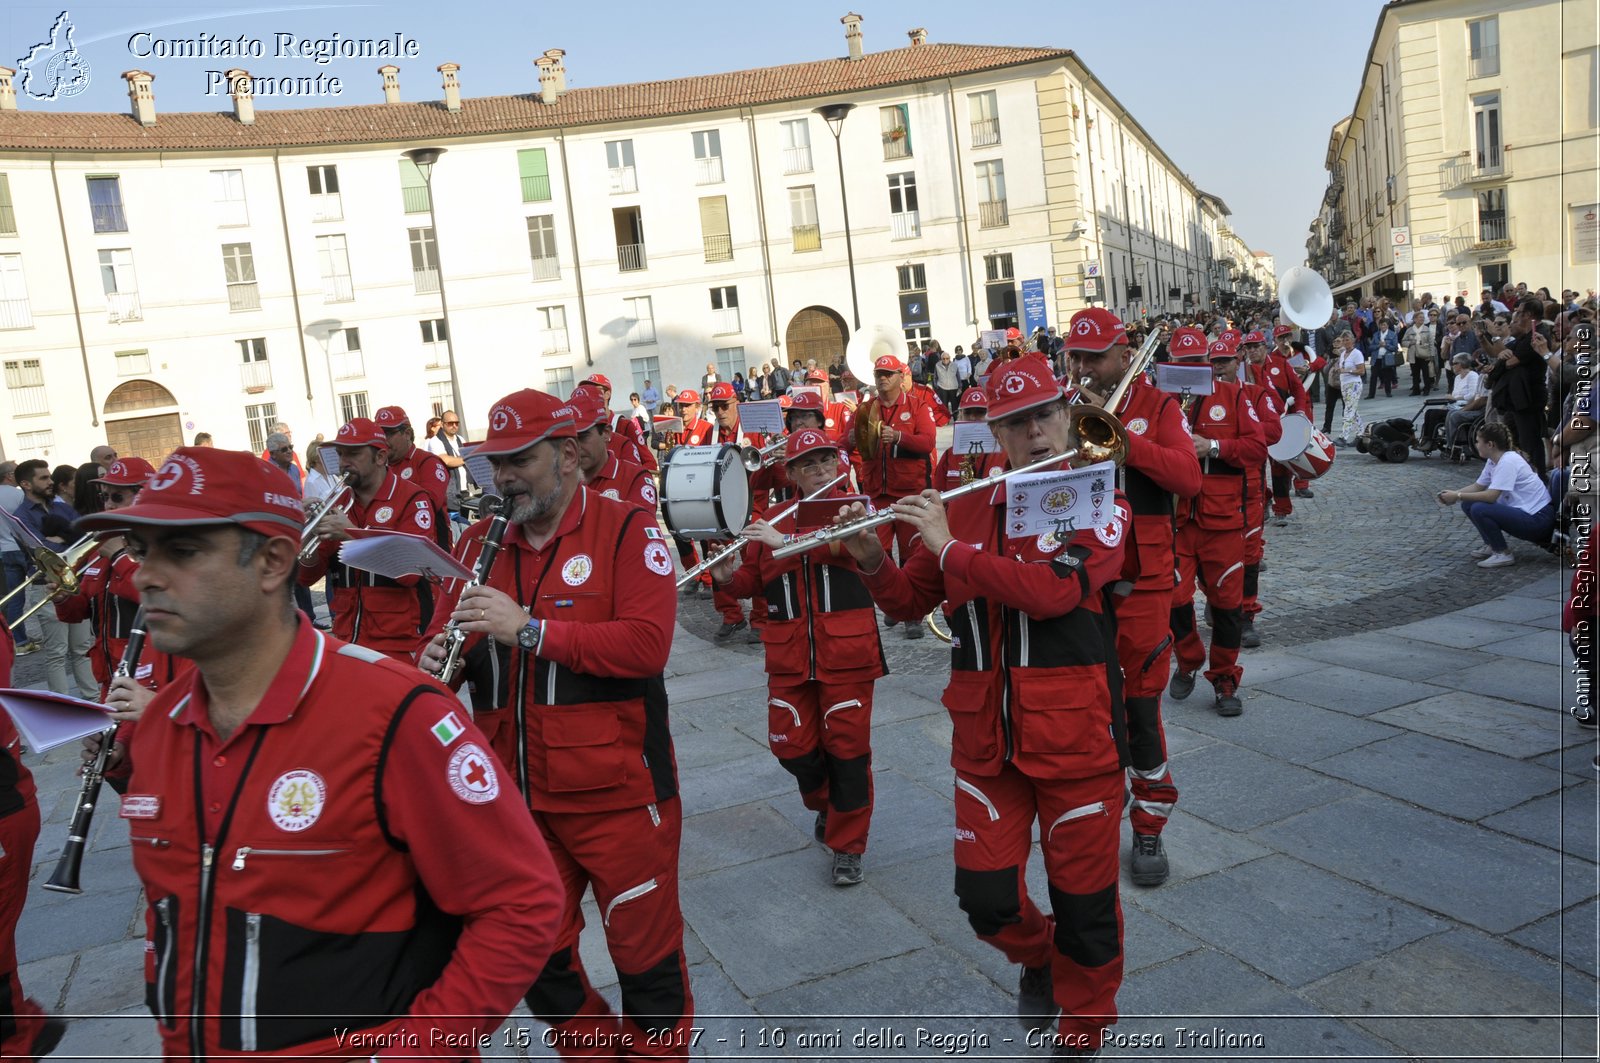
(816, 332)
(151, 437)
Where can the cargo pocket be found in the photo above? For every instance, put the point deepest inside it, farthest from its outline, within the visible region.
(1061, 711)
(583, 750)
(973, 729)
(852, 640)
(786, 651)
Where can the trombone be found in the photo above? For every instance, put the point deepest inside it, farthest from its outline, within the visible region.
(755, 460)
(342, 499)
(61, 571)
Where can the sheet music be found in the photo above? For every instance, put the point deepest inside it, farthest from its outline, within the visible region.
(330, 461)
(969, 435)
(765, 417)
(396, 553)
(46, 720)
(481, 469)
(1194, 379)
(1060, 502)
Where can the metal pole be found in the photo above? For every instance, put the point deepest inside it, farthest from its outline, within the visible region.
(444, 304)
(849, 247)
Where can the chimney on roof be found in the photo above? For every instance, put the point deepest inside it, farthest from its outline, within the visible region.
(452, 87)
(8, 95)
(918, 36)
(391, 82)
(852, 34)
(242, 89)
(552, 74)
(140, 96)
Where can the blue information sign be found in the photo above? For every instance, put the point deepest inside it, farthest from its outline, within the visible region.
(1032, 306)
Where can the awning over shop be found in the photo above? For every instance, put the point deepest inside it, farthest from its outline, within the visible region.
(1365, 278)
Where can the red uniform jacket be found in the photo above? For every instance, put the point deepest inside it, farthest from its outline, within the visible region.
(16, 781)
(385, 614)
(1034, 678)
(1277, 371)
(820, 621)
(424, 469)
(1228, 416)
(951, 467)
(907, 467)
(1161, 464)
(589, 707)
(628, 442)
(625, 482)
(351, 849)
(697, 434)
(108, 599)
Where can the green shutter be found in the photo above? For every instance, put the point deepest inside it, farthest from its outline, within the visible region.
(413, 189)
(8, 217)
(534, 170)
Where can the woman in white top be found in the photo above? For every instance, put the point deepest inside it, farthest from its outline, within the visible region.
(1352, 367)
(1508, 496)
(318, 484)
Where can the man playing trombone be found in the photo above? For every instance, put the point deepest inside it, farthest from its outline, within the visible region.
(1035, 699)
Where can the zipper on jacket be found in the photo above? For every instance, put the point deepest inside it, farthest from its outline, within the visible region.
(827, 589)
(169, 944)
(197, 1007)
(250, 982)
(968, 788)
(1071, 814)
(355, 628)
(811, 633)
(243, 851)
(977, 636)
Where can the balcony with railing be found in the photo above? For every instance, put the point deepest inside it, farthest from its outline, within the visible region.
(985, 132)
(425, 280)
(327, 206)
(1494, 234)
(29, 402)
(8, 220)
(244, 295)
(123, 306)
(725, 322)
(348, 365)
(992, 214)
(624, 179)
(338, 289)
(556, 341)
(896, 145)
(546, 268)
(536, 188)
(108, 218)
(15, 313)
(630, 257)
(905, 225)
(1485, 64)
(435, 355)
(1473, 167)
(806, 237)
(708, 171)
(797, 160)
(719, 247)
(255, 376)
(415, 198)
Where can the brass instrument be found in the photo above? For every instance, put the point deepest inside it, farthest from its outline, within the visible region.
(60, 571)
(757, 459)
(738, 543)
(937, 624)
(342, 500)
(65, 878)
(455, 640)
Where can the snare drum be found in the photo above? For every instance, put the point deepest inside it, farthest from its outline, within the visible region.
(705, 492)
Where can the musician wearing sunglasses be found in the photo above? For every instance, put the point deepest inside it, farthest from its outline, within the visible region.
(1035, 700)
(1161, 463)
(1229, 440)
(570, 632)
(417, 466)
(325, 841)
(381, 613)
(823, 658)
(1245, 370)
(601, 469)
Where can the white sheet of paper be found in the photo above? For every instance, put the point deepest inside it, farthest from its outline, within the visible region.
(1039, 502)
(666, 425)
(764, 417)
(804, 389)
(994, 338)
(396, 553)
(1298, 361)
(967, 435)
(1195, 379)
(330, 461)
(480, 469)
(47, 720)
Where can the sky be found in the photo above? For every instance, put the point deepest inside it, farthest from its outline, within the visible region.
(1240, 95)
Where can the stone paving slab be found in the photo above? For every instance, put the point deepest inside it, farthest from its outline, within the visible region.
(733, 782)
(108, 920)
(1349, 690)
(1390, 655)
(1292, 730)
(1489, 724)
(1547, 647)
(727, 837)
(1458, 632)
(1427, 859)
(1240, 789)
(1570, 936)
(109, 978)
(1575, 761)
(1528, 682)
(907, 817)
(1194, 848)
(1519, 608)
(1443, 776)
(1567, 820)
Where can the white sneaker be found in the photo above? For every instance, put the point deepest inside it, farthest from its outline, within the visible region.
(1480, 553)
(1497, 561)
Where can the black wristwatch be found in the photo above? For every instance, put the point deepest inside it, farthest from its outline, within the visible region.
(528, 637)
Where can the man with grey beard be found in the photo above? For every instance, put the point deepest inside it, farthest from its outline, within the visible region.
(568, 631)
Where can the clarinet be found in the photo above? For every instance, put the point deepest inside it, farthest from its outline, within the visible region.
(65, 877)
(455, 640)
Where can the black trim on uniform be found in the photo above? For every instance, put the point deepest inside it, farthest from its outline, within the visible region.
(654, 998)
(989, 898)
(1086, 925)
(383, 760)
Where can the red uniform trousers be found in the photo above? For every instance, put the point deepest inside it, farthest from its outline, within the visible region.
(21, 1019)
(1079, 834)
(1144, 649)
(630, 858)
(1214, 558)
(1255, 542)
(1282, 496)
(822, 735)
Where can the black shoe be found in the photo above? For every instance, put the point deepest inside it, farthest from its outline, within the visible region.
(914, 630)
(847, 869)
(1036, 1001)
(1182, 685)
(690, 589)
(321, 625)
(889, 624)
(704, 592)
(1149, 866)
(1248, 639)
(1303, 492)
(753, 636)
(48, 1037)
(819, 829)
(728, 629)
(1228, 704)
(1261, 566)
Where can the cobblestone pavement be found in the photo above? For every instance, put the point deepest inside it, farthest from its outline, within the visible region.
(1392, 855)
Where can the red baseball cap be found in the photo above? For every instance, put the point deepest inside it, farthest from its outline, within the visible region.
(974, 399)
(721, 392)
(1013, 333)
(1021, 384)
(126, 472)
(599, 380)
(1095, 329)
(1221, 350)
(205, 485)
(805, 400)
(804, 442)
(1230, 336)
(391, 417)
(524, 418)
(1281, 330)
(818, 376)
(888, 363)
(588, 408)
(688, 396)
(1253, 337)
(360, 432)
(1188, 344)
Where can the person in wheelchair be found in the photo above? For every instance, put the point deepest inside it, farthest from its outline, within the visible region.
(1466, 405)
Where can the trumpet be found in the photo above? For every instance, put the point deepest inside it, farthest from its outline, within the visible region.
(455, 640)
(65, 877)
(738, 543)
(60, 571)
(342, 499)
(755, 460)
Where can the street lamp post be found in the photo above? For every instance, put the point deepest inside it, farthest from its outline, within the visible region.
(834, 115)
(423, 159)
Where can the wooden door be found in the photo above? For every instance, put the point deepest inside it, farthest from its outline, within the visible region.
(150, 438)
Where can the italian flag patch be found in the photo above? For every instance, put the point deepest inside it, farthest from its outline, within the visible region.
(448, 729)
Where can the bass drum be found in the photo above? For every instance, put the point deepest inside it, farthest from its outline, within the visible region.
(1297, 429)
(705, 492)
(1317, 458)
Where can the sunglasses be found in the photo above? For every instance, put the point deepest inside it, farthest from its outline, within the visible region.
(451, 424)
(721, 405)
(119, 497)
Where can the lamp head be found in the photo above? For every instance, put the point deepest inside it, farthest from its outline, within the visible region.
(834, 115)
